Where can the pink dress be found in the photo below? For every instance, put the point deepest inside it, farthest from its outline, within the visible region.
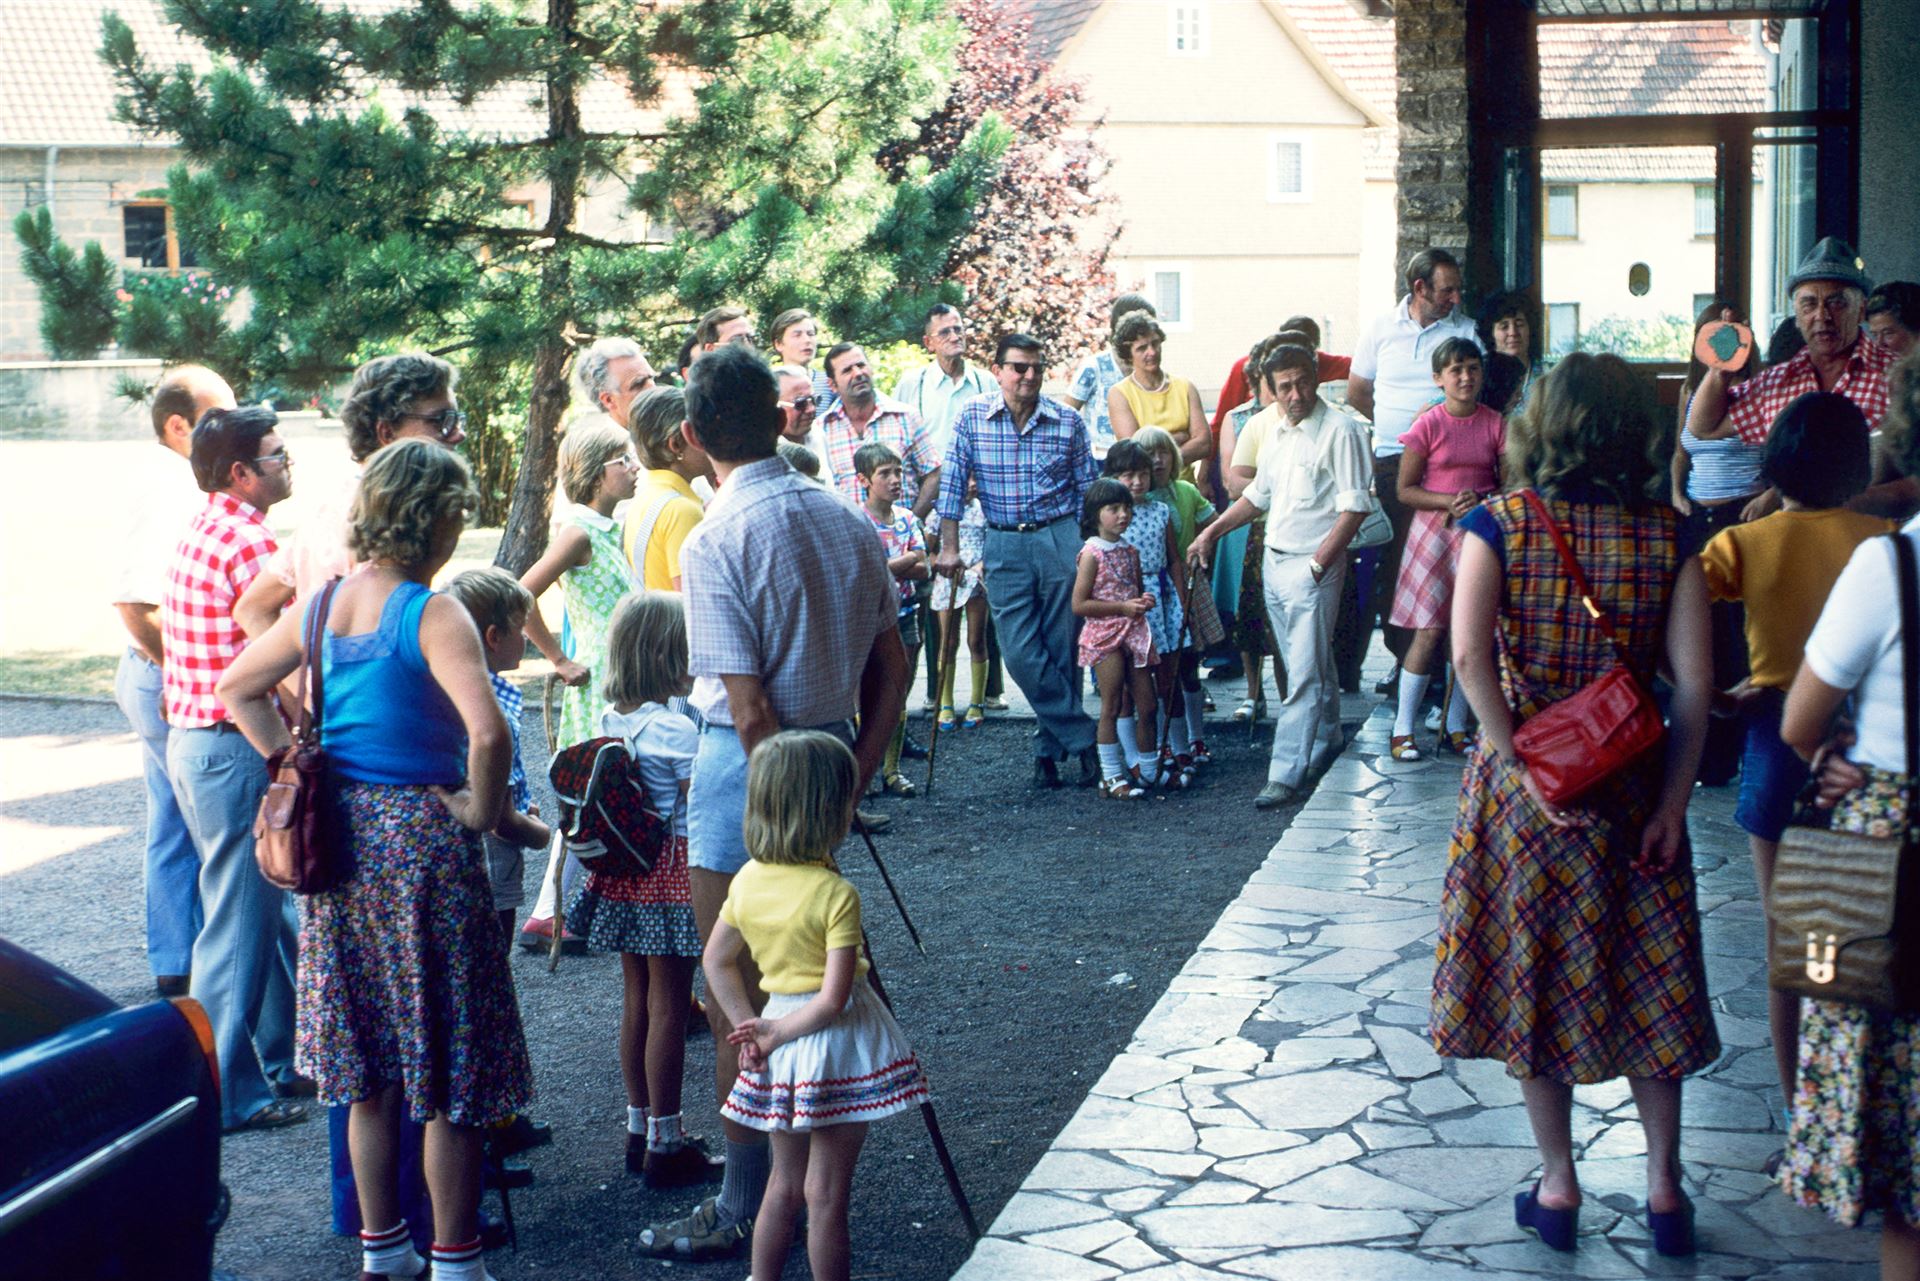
(1116, 577)
(1461, 453)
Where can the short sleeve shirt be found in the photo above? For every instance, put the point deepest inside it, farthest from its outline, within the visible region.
(1856, 646)
(1461, 453)
(163, 508)
(1308, 475)
(512, 705)
(1397, 354)
(784, 581)
(893, 425)
(791, 915)
(223, 550)
(900, 536)
(1753, 405)
(678, 510)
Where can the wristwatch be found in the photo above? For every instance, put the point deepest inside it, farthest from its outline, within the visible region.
(1318, 570)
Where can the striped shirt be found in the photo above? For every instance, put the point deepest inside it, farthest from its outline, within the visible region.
(784, 581)
(1754, 404)
(1720, 469)
(224, 549)
(1027, 475)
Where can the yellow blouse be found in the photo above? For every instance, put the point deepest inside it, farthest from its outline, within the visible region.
(1167, 409)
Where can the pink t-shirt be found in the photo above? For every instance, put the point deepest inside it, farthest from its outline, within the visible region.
(1461, 453)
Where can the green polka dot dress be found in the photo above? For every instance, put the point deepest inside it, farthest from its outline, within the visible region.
(590, 593)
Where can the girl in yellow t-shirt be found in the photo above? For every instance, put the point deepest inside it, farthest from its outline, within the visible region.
(825, 1057)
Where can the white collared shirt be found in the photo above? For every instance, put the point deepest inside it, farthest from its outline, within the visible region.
(162, 510)
(937, 398)
(1308, 474)
(1397, 354)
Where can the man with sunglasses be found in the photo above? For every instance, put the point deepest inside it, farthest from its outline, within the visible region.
(391, 398)
(798, 404)
(243, 956)
(1031, 460)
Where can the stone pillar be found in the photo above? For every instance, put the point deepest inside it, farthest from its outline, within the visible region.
(1431, 47)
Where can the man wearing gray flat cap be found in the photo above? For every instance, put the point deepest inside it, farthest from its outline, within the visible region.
(1829, 293)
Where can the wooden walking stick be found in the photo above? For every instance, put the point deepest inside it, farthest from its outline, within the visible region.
(926, 1110)
(898, 902)
(945, 667)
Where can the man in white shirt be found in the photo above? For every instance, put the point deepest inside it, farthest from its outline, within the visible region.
(1310, 486)
(162, 510)
(936, 390)
(1392, 383)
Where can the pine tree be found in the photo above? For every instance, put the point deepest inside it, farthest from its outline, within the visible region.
(338, 168)
(1035, 255)
(76, 289)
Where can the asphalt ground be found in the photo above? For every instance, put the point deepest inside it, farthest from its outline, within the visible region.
(1052, 922)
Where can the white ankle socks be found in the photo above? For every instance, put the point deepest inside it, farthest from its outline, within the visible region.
(1129, 740)
(1112, 764)
(636, 1120)
(390, 1253)
(664, 1133)
(459, 1262)
(1413, 691)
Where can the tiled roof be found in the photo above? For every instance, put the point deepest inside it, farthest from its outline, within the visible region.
(1628, 164)
(1656, 8)
(1651, 68)
(57, 90)
(1359, 49)
(1054, 22)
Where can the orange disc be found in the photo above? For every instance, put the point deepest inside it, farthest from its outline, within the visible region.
(1724, 344)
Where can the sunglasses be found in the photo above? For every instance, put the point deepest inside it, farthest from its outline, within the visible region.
(448, 423)
(1022, 368)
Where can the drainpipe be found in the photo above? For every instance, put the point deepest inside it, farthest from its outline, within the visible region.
(53, 157)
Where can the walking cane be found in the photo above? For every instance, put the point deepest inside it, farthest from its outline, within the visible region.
(926, 1110)
(945, 669)
(898, 902)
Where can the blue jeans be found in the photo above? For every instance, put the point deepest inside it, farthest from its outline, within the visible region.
(1030, 593)
(243, 961)
(173, 868)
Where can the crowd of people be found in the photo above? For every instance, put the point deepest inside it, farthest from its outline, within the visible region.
(749, 562)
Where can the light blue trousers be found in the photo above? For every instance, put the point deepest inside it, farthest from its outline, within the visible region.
(173, 868)
(243, 960)
(1030, 592)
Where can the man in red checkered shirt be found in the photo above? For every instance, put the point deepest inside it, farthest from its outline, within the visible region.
(1829, 293)
(244, 956)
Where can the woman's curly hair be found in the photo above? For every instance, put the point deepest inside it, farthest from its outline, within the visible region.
(408, 490)
(1590, 425)
(385, 388)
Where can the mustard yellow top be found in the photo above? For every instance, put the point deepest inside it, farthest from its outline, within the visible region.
(680, 512)
(1168, 409)
(1783, 566)
(791, 915)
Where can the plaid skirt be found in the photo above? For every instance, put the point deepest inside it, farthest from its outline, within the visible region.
(1555, 956)
(1424, 591)
(1854, 1142)
(403, 979)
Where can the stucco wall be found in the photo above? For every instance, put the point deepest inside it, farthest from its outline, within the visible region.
(1889, 106)
(1620, 224)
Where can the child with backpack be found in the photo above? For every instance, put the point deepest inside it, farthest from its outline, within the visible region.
(647, 917)
(825, 1057)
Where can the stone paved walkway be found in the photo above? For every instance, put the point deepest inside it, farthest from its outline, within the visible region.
(1280, 1113)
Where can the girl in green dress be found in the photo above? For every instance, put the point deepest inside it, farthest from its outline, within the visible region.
(598, 470)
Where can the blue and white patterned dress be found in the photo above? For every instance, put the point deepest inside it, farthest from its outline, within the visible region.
(1148, 535)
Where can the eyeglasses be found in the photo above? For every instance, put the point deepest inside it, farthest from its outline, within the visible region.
(798, 402)
(449, 423)
(281, 457)
(950, 331)
(1021, 368)
(628, 459)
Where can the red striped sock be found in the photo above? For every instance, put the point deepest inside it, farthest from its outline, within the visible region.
(458, 1262)
(390, 1253)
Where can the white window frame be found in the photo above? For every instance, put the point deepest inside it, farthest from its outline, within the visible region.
(1549, 336)
(1202, 31)
(1710, 206)
(1185, 272)
(1275, 196)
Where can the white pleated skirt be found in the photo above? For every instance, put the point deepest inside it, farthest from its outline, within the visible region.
(857, 1068)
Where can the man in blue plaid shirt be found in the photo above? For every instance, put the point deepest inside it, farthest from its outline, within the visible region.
(1030, 458)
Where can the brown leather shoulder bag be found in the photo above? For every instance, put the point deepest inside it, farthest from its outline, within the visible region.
(294, 837)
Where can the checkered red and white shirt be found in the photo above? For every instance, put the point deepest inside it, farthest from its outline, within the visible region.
(1753, 405)
(224, 549)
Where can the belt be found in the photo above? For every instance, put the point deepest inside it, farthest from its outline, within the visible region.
(1027, 526)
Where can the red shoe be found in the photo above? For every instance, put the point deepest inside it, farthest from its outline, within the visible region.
(537, 935)
(1198, 750)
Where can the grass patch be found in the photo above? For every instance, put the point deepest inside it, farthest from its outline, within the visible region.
(43, 672)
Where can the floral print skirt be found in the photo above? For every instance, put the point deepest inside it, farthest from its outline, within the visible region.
(1854, 1143)
(403, 975)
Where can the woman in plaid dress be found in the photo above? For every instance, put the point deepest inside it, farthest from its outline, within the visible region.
(1569, 937)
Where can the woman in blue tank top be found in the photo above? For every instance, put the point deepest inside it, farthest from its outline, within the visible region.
(405, 999)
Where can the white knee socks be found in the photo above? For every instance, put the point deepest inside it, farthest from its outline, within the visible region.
(1129, 740)
(1112, 763)
(1413, 692)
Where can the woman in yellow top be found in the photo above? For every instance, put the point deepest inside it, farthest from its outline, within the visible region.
(1150, 397)
(664, 509)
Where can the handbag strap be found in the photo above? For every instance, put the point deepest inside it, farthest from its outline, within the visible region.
(1579, 577)
(313, 712)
